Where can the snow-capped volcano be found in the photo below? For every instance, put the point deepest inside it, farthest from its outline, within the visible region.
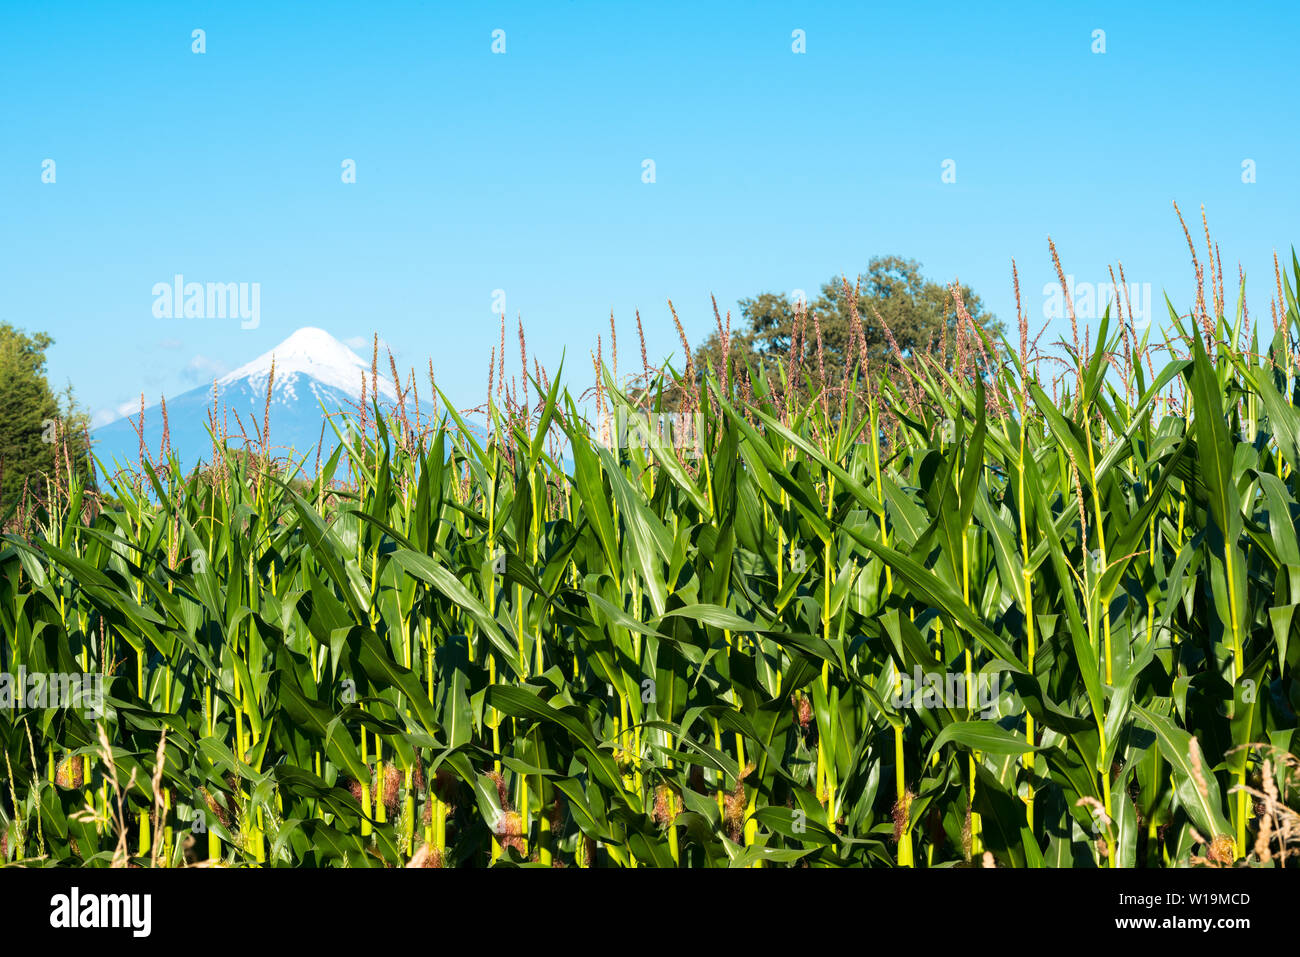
(314, 374)
(316, 354)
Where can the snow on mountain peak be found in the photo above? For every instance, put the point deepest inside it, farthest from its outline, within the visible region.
(313, 352)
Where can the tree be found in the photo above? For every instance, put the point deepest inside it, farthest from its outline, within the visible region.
(892, 297)
(41, 436)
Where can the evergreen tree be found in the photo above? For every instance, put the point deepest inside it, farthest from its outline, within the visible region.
(41, 435)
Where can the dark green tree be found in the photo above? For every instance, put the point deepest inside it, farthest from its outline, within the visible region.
(41, 434)
(892, 292)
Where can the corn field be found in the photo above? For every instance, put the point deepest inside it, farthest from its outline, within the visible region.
(977, 608)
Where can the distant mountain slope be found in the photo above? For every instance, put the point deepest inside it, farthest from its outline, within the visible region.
(312, 369)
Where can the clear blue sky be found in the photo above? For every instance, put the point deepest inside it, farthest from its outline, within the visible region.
(523, 171)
